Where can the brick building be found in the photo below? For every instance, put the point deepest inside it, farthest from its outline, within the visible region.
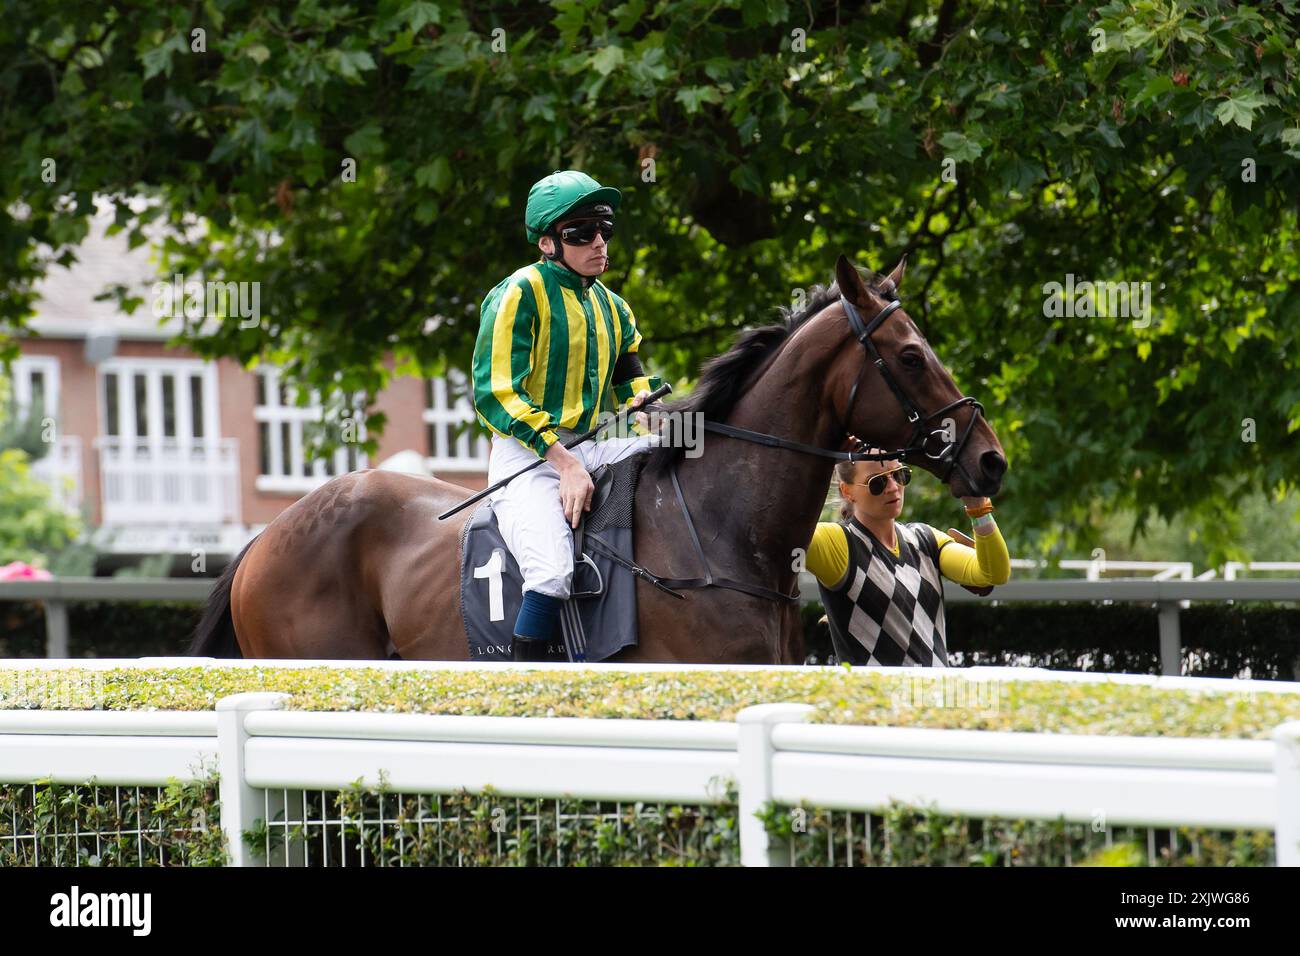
(165, 452)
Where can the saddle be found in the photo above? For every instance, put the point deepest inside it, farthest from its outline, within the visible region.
(599, 618)
(603, 479)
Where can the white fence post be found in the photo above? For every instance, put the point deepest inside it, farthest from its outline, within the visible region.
(754, 753)
(1286, 768)
(240, 806)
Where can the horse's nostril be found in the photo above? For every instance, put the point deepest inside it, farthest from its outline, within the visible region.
(993, 465)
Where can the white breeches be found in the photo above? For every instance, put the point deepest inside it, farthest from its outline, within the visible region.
(529, 512)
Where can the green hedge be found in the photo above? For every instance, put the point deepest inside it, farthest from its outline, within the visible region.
(1258, 639)
(912, 836)
(363, 826)
(843, 695)
(1219, 640)
(102, 628)
(178, 825)
(45, 824)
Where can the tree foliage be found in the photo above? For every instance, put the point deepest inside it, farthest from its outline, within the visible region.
(34, 529)
(1145, 141)
(32, 526)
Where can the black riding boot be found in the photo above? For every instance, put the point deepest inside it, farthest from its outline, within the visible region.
(524, 649)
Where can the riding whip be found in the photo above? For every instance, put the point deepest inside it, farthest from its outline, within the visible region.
(657, 394)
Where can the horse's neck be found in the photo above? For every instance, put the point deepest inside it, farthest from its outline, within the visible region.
(765, 501)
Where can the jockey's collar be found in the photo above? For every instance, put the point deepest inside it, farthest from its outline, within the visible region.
(567, 277)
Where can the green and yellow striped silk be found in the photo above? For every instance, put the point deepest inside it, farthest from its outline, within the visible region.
(545, 353)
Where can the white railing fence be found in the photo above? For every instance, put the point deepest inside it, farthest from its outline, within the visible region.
(264, 753)
(1095, 569)
(169, 481)
(1233, 569)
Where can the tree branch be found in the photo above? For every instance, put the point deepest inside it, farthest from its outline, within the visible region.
(932, 49)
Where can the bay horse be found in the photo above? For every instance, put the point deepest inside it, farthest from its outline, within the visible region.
(362, 568)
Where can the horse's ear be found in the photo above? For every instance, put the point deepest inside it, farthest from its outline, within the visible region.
(850, 282)
(896, 277)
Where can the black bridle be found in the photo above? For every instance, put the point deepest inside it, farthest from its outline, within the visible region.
(949, 453)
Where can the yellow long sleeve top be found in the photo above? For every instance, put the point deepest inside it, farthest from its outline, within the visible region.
(988, 562)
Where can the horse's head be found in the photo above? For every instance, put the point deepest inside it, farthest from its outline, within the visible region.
(912, 402)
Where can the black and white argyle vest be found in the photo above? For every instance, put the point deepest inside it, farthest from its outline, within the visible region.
(889, 610)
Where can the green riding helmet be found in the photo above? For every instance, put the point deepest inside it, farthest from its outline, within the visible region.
(560, 192)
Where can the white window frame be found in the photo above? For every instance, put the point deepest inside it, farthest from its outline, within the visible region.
(125, 368)
(304, 476)
(471, 445)
(60, 467)
(154, 479)
(21, 382)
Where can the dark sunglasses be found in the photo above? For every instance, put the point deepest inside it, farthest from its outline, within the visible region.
(584, 233)
(878, 484)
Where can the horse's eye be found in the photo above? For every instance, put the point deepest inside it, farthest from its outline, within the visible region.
(913, 359)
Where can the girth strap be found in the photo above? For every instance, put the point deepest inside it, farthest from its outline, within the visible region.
(669, 585)
(644, 574)
(709, 580)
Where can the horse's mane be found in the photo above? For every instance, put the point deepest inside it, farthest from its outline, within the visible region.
(726, 377)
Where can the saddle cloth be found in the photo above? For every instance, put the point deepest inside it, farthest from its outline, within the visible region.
(599, 619)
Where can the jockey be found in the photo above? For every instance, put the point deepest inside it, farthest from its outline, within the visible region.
(555, 349)
(880, 579)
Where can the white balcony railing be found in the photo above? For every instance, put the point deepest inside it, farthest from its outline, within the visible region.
(169, 483)
(60, 468)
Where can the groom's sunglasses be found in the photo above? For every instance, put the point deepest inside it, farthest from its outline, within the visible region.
(879, 483)
(584, 233)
